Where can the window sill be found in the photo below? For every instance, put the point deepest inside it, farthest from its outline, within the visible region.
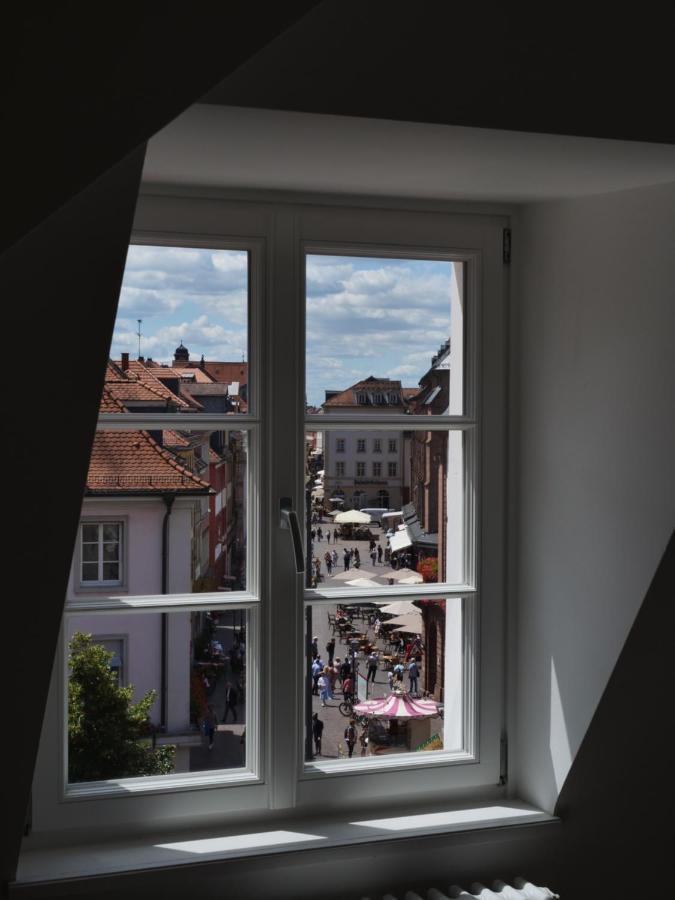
(296, 834)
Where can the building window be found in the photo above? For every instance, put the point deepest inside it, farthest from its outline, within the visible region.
(101, 553)
(261, 608)
(383, 499)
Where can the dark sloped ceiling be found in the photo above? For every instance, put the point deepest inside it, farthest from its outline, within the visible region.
(562, 68)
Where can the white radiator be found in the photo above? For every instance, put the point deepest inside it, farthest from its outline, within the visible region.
(520, 890)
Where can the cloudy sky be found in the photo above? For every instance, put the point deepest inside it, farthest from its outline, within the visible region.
(364, 316)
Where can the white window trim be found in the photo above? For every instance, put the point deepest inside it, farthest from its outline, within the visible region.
(98, 587)
(282, 781)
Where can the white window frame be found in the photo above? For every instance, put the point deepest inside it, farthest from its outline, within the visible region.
(279, 236)
(360, 469)
(101, 585)
(392, 470)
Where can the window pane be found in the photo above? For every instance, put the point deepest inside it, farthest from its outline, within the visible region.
(401, 661)
(111, 532)
(90, 571)
(384, 335)
(188, 716)
(196, 480)
(181, 335)
(409, 522)
(111, 572)
(90, 533)
(90, 553)
(111, 552)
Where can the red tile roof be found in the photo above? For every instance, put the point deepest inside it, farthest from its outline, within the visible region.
(137, 373)
(368, 387)
(131, 462)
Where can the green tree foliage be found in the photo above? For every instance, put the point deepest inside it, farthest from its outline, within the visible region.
(107, 731)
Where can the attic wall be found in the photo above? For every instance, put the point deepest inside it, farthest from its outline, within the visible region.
(594, 318)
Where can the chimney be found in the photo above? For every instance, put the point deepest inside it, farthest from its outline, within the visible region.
(125, 362)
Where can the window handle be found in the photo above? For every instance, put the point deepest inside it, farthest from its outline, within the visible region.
(289, 519)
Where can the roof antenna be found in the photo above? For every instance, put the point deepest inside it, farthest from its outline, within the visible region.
(140, 321)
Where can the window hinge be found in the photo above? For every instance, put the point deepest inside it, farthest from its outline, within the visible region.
(503, 759)
(506, 246)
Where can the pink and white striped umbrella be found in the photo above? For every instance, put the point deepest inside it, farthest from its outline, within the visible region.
(398, 705)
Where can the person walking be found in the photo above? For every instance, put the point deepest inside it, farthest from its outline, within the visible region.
(363, 740)
(373, 557)
(379, 553)
(323, 683)
(317, 732)
(319, 533)
(317, 669)
(372, 666)
(350, 737)
(328, 559)
(413, 675)
(357, 557)
(335, 535)
(330, 650)
(210, 725)
(231, 700)
(346, 559)
(328, 535)
(348, 689)
(334, 556)
(315, 647)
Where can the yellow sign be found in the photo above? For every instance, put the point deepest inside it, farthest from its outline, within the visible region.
(435, 742)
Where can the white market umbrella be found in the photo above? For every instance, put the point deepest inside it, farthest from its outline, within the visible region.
(352, 517)
(415, 578)
(399, 574)
(399, 608)
(361, 582)
(410, 622)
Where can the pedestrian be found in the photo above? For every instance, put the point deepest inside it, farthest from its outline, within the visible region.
(330, 650)
(398, 673)
(345, 669)
(390, 679)
(210, 725)
(313, 534)
(372, 666)
(335, 535)
(363, 740)
(379, 553)
(348, 689)
(373, 557)
(317, 731)
(315, 647)
(328, 535)
(413, 675)
(371, 545)
(317, 669)
(338, 669)
(323, 683)
(350, 737)
(377, 625)
(334, 556)
(346, 559)
(329, 561)
(357, 557)
(231, 700)
(319, 533)
(317, 568)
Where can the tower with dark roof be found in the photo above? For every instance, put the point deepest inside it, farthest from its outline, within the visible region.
(181, 355)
